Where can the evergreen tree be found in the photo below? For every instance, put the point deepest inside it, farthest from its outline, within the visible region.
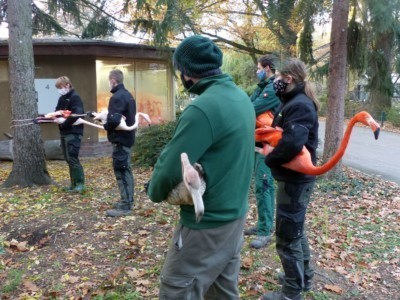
(29, 165)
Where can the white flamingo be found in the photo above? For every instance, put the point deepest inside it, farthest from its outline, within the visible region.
(82, 121)
(190, 191)
(102, 117)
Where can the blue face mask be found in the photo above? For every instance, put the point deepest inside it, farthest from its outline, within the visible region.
(261, 75)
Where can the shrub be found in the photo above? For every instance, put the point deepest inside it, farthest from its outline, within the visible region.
(149, 143)
(393, 116)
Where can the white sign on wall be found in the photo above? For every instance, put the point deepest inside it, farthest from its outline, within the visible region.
(47, 95)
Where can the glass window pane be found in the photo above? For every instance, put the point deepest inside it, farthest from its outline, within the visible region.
(152, 90)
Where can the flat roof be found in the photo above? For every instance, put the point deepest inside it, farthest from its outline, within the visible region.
(96, 48)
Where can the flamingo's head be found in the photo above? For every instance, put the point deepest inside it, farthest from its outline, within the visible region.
(146, 117)
(192, 182)
(101, 116)
(66, 113)
(186, 170)
(369, 121)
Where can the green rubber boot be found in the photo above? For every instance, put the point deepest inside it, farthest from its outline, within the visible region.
(79, 180)
(72, 186)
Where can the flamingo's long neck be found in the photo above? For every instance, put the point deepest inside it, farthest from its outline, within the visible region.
(318, 170)
(136, 124)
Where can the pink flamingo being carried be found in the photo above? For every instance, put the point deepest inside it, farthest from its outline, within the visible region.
(270, 137)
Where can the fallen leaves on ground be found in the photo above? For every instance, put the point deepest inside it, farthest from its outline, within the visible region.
(58, 245)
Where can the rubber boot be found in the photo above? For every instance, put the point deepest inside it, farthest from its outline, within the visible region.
(72, 186)
(79, 179)
(279, 295)
(307, 282)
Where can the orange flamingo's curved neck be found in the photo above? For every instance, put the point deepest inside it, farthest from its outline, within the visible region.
(303, 163)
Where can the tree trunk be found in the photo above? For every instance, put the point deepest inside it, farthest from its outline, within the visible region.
(29, 165)
(336, 82)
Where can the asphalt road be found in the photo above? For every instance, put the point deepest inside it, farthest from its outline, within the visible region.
(376, 157)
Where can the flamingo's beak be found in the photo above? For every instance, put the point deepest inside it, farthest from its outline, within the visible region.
(374, 126)
(376, 133)
(198, 204)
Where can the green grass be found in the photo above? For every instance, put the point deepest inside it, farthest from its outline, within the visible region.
(14, 200)
(13, 281)
(120, 295)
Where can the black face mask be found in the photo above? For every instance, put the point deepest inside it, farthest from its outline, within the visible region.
(279, 87)
(187, 84)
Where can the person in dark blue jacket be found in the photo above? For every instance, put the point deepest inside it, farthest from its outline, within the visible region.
(71, 136)
(121, 105)
(297, 116)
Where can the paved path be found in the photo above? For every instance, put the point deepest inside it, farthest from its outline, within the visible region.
(379, 157)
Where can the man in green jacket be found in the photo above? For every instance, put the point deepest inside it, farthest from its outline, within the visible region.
(217, 131)
(263, 99)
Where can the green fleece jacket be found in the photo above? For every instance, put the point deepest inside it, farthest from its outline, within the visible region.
(217, 131)
(264, 98)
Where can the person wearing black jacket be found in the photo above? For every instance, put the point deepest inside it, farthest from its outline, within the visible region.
(121, 105)
(297, 116)
(71, 136)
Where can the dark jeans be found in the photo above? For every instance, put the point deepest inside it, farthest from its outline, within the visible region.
(291, 240)
(123, 173)
(70, 145)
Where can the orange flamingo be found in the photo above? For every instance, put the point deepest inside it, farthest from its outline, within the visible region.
(302, 162)
(264, 119)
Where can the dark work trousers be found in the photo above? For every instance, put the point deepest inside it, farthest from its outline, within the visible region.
(203, 263)
(70, 145)
(265, 195)
(291, 239)
(123, 173)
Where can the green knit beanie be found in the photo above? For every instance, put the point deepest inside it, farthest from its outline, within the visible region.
(198, 57)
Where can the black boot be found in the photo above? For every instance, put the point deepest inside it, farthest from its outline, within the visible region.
(307, 282)
(120, 209)
(279, 295)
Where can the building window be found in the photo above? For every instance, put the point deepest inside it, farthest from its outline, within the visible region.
(147, 81)
(152, 91)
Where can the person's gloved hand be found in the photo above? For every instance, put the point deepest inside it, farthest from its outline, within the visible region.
(59, 120)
